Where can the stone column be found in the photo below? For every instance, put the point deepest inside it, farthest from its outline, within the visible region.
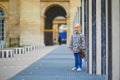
(95, 37)
(83, 16)
(98, 36)
(42, 22)
(107, 39)
(55, 32)
(69, 32)
(115, 40)
(90, 37)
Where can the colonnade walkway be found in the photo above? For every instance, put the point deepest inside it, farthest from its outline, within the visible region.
(55, 65)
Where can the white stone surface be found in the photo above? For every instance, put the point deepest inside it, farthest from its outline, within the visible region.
(98, 36)
(90, 37)
(115, 40)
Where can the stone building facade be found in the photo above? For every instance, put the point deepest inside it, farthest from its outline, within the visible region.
(26, 21)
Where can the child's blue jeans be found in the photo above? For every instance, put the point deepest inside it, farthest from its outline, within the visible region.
(78, 60)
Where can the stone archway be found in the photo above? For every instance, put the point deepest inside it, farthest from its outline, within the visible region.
(48, 15)
(57, 23)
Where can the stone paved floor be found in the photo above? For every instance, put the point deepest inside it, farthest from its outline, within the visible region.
(56, 65)
(9, 67)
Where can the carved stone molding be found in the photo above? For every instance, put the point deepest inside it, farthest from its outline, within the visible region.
(3, 0)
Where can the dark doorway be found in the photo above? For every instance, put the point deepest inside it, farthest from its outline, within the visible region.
(51, 13)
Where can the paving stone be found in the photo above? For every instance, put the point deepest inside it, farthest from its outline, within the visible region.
(56, 65)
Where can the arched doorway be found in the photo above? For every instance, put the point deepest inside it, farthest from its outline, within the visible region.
(2, 28)
(51, 13)
(59, 30)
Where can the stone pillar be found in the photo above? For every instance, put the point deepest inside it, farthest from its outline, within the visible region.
(42, 29)
(90, 37)
(30, 22)
(98, 36)
(107, 39)
(97, 46)
(115, 39)
(69, 32)
(14, 20)
(55, 32)
(83, 16)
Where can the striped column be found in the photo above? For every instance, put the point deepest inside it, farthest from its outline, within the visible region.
(90, 37)
(113, 39)
(94, 29)
(98, 36)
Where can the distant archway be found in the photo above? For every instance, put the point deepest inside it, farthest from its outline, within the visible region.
(50, 14)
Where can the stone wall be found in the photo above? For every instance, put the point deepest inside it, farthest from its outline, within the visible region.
(14, 21)
(74, 4)
(29, 22)
(25, 19)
